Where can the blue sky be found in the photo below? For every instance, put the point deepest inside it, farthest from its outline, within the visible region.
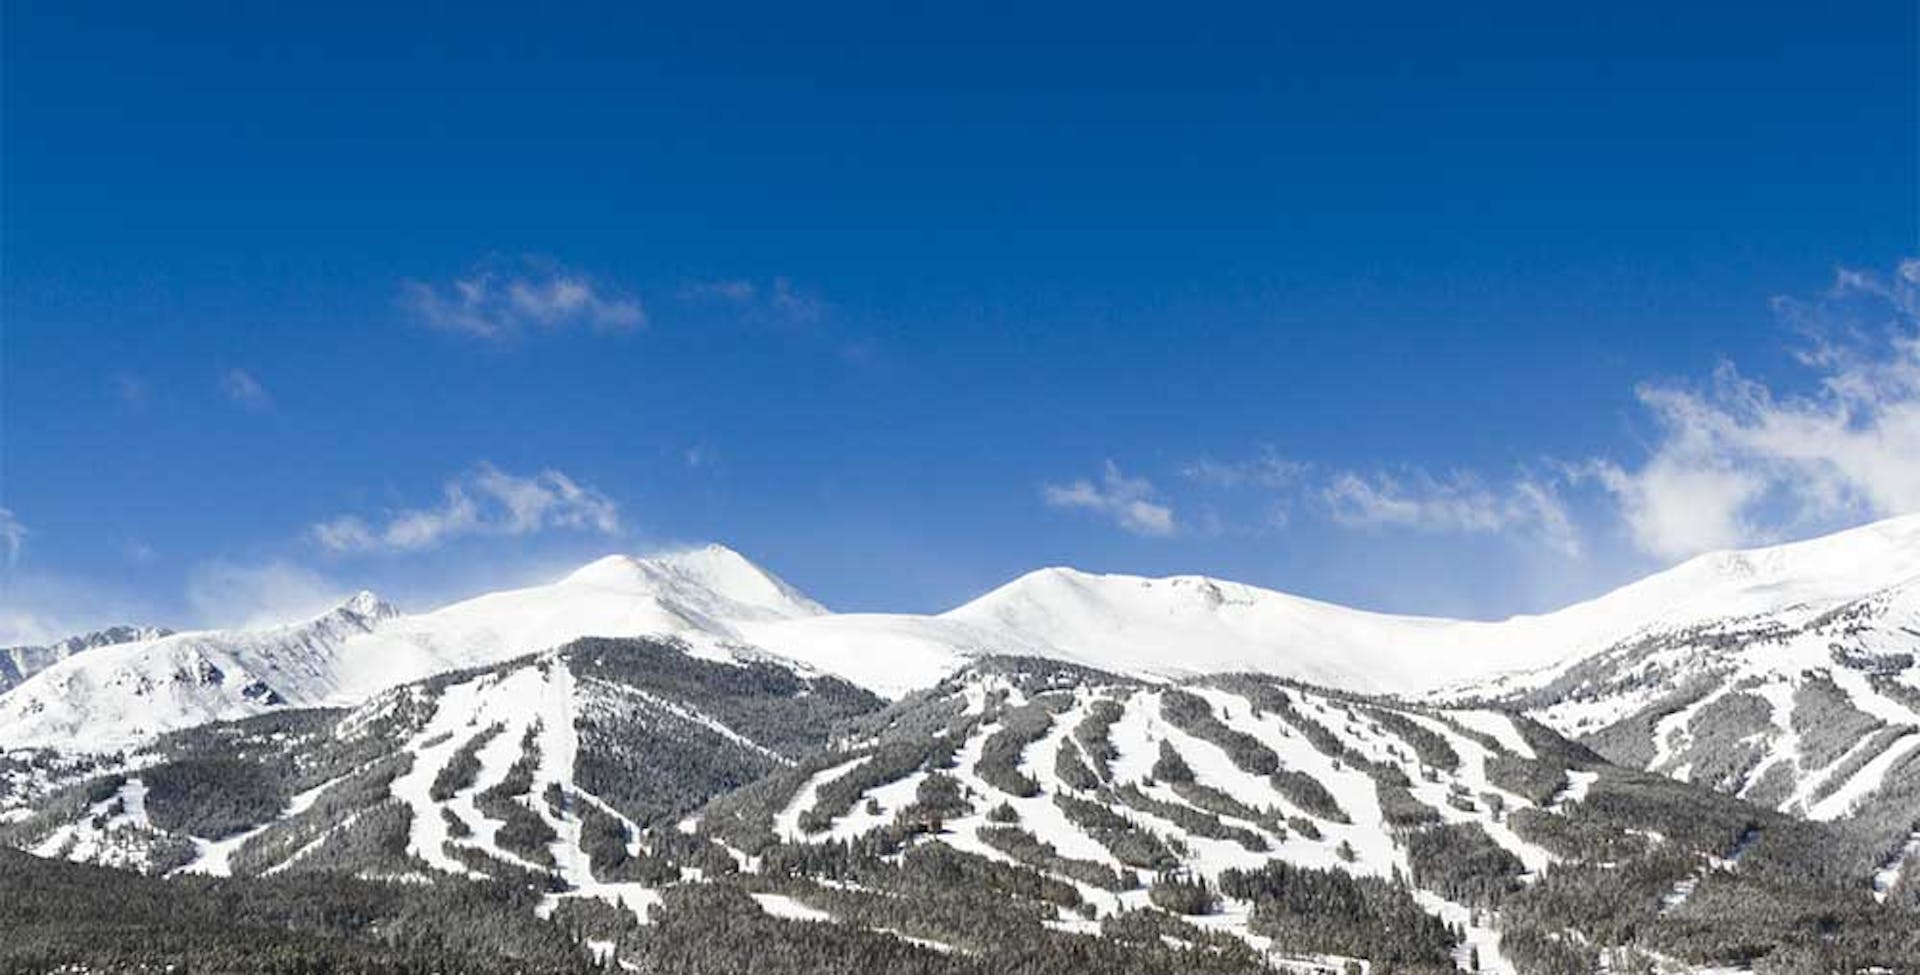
(1429, 310)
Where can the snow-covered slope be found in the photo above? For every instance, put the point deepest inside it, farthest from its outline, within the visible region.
(1811, 707)
(1164, 628)
(19, 663)
(1785, 675)
(1192, 624)
(114, 696)
(890, 653)
(640, 729)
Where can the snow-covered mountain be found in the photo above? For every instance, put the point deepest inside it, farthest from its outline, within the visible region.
(1119, 764)
(1791, 681)
(114, 696)
(19, 663)
(1744, 670)
(1192, 624)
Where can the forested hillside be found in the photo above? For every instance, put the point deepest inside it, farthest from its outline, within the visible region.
(627, 802)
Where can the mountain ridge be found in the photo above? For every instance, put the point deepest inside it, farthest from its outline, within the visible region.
(1626, 671)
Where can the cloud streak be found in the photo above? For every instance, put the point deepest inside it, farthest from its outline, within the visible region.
(1460, 503)
(1265, 469)
(483, 501)
(13, 536)
(1129, 502)
(499, 301)
(779, 300)
(225, 593)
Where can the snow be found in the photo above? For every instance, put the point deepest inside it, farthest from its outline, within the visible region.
(1866, 698)
(1127, 623)
(112, 833)
(1353, 790)
(1785, 747)
(889, 654)
(1816, 779)
(786, 823)
(1473, 777)
(1864, 783)
(215, 856)
(118, 696)
(1683, 890)
(1672, 734)
(928, 943)
(1483, 936)
(782, 906)
(1498, 726)
(1578, 782)
(636, 898)
(528, 698)
(721, 603)
(1889, 873)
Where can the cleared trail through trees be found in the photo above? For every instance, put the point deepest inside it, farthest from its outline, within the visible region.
(1889, 873)
(1685, 888)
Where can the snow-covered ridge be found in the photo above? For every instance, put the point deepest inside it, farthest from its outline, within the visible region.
(713, 597)
(19, 663)
(1193, 624)
(115, 696)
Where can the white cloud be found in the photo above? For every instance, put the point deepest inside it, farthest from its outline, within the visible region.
(223, 593)
(1128, 501)
(1738, 463)
(241, 387)
(13, 536)
(1460, 503)
(23, 627)
(1265, 469)
(498, 301)
(484, 501)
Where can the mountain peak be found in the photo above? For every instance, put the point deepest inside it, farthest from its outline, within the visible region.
(703, 575)
(364, 607)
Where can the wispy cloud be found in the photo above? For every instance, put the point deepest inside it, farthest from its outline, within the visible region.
(1128, 502)
(778, 300)
(38, 607)
(499, 300)
(241, 387)
(1458, 503)
(1733, 461)
(1267, 468)
(1737, 462)
(484, 501)
(738, 291)
(13, 536)
(241, 594)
